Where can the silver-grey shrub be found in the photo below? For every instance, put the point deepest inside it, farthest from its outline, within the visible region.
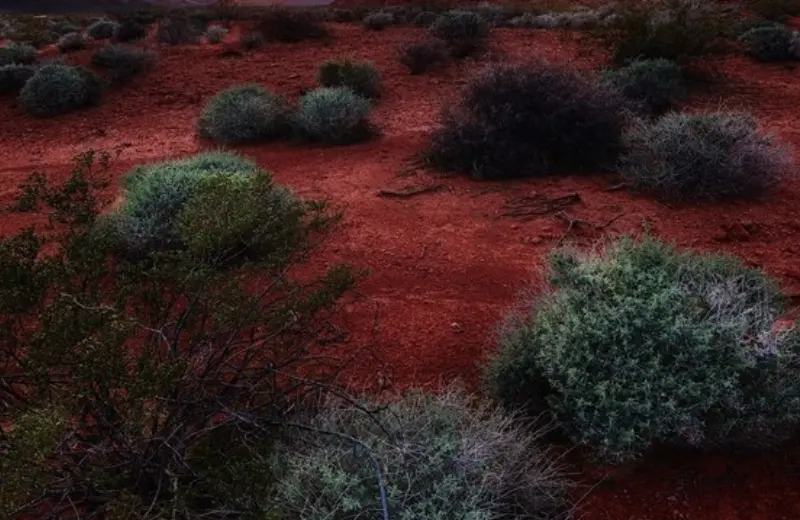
(709, 156)
(333, 115)
(653, 85)
(442, 456)
(17, 53)
(215, 34)
(245, 113)
(642, 345)
(57, 88)
(102, 29)
(73, 41)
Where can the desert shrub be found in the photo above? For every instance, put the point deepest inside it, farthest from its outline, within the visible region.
(359, 76)
(419, 56)
(130, 30)
(777, 10)
(252, 39)
(215, 34)
(464, 31)
(63, 27)
(290, 25)
(425, 19)
(333, 115)
(242, 114)
(769, 43)
(340, 15)
(102, 29)
(378, 21)
(13, 77)
(143, 346)
(19, 53)
(676, 30)
(34, 31)
(642, 344)
(540, 21)
(58, 88)
(441, 456)
(529, 119)
(177, 30)
(71, 42)
(709, 156)
(751, 23)
(123, 62)
(654, 85)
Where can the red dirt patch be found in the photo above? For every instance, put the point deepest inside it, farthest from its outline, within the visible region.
(446, 264)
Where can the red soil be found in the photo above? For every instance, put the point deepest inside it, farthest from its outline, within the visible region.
(445, 265)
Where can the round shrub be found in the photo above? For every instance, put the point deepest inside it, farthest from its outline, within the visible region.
(529, 119)
(215, 34)
(359, 76)
(58, 88)
(13, 77)
(378, 21)
(123, 62)
(643, 345)
(212, 204)
(709, 156)
(441, 456)
(418, 57)
(102, 29)
(425, 19)
(130, 30)
(177, 30)
(464, 31)
(243, 114)
(334, 115)
(71, 42)
(771, 43)
(655, 85)
(63, 27)
(20, 53)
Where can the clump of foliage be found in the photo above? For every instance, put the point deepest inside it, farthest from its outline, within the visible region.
(420, 56)
(425, 19)
(35, 31)
(71, 42)
(63, 27)
(378, 21)
(130, 30)
(708, 156)
(529, 119)
(252, 39)
(654, 85)
(102, 29)
(58, 88)
(291, 25)
(244, 114)
(17, 53)
(333, 115)
(177, 30)
(643, 345)
(676, 30)
(438, 456)
(777, 10)
(149, 388)
(215, 34)
(359, 76)
(771, 43)
(123, 62)
(752, 23)
(13, 77)
(463, 31)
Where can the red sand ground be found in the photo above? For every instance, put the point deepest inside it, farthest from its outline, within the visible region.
(446, 265)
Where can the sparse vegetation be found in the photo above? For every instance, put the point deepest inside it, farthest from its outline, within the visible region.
(102, 29)
(334, 115)
(71, 42)
(123, 62)
(359, 76)
(244, 113)
(58, 88)
(378, 21)
(710, 156)
(17, 53)
(420, 56)
(529, 119)
(653, 85)
(642, 344)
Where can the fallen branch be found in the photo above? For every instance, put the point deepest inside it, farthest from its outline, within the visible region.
(410, 191)
(573, 221)
(538, 204)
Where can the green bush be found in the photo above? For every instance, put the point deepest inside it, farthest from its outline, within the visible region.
(130, 30)
(420, 56)
(57, 88)
(335, 115)
(643, 345)
(13, 77)
(291, 25)
(17, 53)
(242, 114)
(173, 338)
(102, 30)
(464, 31)
(711, 156)
(378, 21)
(526, 120)
(768, 44)
(359, 76)
(123, 62)
(215, 34)
(441, 457)
(71, 42)
(655, 85)
(177, 30)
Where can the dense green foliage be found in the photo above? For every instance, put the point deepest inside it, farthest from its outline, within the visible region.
(244, 113)
(333, 115)
(57, 88)
(643, 345)
(359, 76)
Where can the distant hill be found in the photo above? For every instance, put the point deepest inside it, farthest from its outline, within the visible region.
(56, 6)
